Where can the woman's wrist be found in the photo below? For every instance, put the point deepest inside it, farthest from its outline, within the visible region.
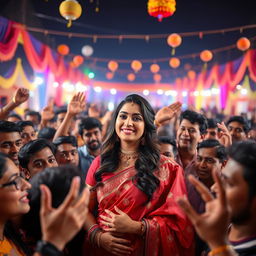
(139, 228)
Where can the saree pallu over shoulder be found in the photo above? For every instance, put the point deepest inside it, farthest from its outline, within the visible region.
(168, 231)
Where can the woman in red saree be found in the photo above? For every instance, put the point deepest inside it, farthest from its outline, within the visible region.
(135, 189)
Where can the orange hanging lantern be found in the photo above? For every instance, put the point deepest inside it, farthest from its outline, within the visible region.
(243, 44)
(136, 65)
(191, 74)
(154, 68)
(206, 56)
(112, 65)
(131, 77)
(161, 8)
(157, 78)
(63, 49)
(70, 10)
(109, 75)
(78, 60)
(174, 40)
(174, 62)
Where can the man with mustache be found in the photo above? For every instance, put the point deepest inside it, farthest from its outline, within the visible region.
(90, 130)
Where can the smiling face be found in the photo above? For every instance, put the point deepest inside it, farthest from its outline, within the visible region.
(10, 144)
(188, 135)
(130, 124)
(13, 202)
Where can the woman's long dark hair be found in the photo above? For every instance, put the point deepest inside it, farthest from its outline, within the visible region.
(9, 231)
(149, 155)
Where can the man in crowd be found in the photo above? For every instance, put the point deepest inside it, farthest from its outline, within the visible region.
(66, 150)
(90, 130)
(168, 146)
(212, 129)
(28, 132)
(238, 128)
(235, 201)
(37, 155)
(191, 131)
(10, 140)
(34, 117)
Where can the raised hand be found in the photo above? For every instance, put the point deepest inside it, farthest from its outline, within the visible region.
(115, 245)
(212, 225)
(20, 96)
(47, 113)
(165, 114)
(77, 103)
(225, 137)
(120, 222)
(60, 225)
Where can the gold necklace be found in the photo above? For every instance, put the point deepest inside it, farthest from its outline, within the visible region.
(128, 156)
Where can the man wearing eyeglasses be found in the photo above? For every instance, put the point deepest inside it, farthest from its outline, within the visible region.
(10, 140)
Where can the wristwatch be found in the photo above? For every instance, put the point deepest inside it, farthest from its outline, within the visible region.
(47, 249)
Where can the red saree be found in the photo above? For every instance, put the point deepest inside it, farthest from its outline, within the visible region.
(168, 230)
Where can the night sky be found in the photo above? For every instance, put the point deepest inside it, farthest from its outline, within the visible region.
(117, 17)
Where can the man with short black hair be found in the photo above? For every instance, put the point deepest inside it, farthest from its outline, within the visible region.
(90, 130)
(10, 140)
(212, 129)
(168, 146)
(238, 128)
(37, 155)
(28, 132)
(66, 150)
(34, 117)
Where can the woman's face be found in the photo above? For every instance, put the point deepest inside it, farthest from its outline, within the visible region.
(130, 123)
(13, 201)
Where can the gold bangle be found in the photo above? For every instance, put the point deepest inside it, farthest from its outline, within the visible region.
(156, 123)
(220, 249)
(13, 100)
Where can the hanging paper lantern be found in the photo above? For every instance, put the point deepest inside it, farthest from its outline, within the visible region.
(131, 77)
(154, 68)
(136, 65)
(191, 74)
(63, 49)
(243, 44)
(157, 78)
(161, 8)
(78, 60)
(70, 10)
(174, 62)
(109, 75)
(174, 40)
(113, 65)
(206, 56)
(87, 50)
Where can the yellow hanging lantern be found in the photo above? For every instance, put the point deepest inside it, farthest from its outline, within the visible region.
(161, 8)
(70, 10)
